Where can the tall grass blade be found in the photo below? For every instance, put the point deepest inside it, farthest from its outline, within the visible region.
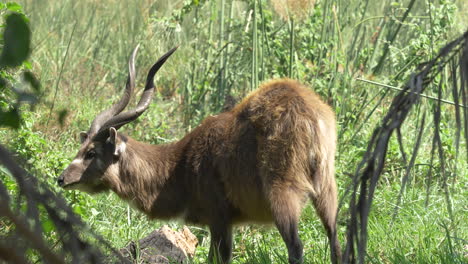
(391, 38)
(60, 74)
(409, 166)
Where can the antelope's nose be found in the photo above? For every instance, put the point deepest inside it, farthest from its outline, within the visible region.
(60, 181)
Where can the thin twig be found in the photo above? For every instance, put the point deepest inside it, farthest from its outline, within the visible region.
(60, 74)
(401, 89)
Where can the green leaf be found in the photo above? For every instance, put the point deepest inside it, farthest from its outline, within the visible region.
(77, 209)
(27, 65)
(15, 7)
(16, 39)
(48, 226)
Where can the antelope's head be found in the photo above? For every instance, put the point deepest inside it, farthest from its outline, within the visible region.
(102, 147)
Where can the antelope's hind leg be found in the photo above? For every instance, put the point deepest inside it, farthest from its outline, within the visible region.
(221, 243)
(326, 206)
(286, 207)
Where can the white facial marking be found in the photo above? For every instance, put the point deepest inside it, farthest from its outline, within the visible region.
(77, 161)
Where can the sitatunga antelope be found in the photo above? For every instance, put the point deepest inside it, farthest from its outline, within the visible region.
(259, 162)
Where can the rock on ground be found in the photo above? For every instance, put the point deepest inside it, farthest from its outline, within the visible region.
(162, 246)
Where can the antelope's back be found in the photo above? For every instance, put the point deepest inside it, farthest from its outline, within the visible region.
(283, 100)
(279, 135)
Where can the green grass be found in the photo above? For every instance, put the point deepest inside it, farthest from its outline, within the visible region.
(417, 235)
(80, 53)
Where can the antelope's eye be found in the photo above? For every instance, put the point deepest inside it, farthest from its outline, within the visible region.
(90, 154)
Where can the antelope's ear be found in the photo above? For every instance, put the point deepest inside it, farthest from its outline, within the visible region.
(83, 136)
(117, 144)
(112, 136)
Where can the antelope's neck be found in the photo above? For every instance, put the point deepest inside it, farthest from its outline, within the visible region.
(145, 171)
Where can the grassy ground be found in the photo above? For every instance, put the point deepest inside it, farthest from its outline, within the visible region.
(80, 52)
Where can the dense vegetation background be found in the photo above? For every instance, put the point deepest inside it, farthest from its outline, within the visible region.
(78, 55)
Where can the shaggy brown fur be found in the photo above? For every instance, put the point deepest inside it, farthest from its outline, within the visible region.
(259, 162)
